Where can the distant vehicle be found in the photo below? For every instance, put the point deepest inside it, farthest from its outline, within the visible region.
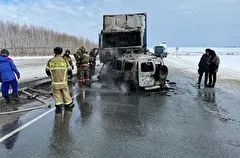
(161, 50)
(123, 50)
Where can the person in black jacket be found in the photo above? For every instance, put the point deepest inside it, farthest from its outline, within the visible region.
(203, 67)
(213, 68)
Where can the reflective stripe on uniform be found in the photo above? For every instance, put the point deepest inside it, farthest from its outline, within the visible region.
(57, 69)
(58, 65)
(68, 103)
(58, 103)
(59, 83)
(84, 65)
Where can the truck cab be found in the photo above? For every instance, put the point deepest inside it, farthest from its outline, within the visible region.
(161, 50)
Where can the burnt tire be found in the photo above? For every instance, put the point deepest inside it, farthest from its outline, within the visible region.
(129, 86)
(133, 86)
(163, 72)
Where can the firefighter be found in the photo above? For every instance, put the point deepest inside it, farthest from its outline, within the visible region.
(58, 69)
(93, 54)
(67, 57)
(77, 57)
(84, 68)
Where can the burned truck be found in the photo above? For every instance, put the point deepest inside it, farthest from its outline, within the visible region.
(123, 52)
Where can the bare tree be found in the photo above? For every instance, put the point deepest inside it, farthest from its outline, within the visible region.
(29, 40)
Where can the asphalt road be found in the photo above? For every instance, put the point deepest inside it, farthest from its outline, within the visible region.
(184, 122)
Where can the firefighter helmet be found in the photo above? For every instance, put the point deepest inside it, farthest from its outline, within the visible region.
(67, 52)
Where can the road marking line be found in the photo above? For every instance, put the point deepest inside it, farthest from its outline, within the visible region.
(25, 125)
(23, 110)
(29, 123)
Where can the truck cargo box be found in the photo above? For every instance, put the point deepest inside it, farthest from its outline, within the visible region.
(121, 34)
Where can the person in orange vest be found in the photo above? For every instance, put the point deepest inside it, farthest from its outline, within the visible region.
(58, 69)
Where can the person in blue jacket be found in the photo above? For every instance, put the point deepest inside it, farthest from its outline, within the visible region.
(8, 73)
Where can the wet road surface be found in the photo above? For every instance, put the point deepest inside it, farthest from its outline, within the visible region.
(184, 122)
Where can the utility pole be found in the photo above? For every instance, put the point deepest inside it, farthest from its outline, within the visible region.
(176, 50)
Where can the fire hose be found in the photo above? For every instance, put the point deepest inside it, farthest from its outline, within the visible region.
(32, 96)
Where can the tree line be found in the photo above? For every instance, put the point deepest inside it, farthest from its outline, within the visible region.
(30, 40)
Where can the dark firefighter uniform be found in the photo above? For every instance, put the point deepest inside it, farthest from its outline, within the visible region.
(67, 57)
(93, 54)
(84, 69)
(77, 57)
(59, 70)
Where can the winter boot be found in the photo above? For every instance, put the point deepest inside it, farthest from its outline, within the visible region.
(209, 86)
(205, 84)
(58, 109)
(7, 99)
(69, 107)
(89, 84)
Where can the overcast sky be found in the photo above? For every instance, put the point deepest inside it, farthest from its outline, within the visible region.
(177, 22)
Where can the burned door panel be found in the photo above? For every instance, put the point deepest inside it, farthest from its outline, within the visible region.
(146, 74)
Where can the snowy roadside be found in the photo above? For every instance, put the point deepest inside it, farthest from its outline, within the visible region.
(229, 72)
(32, 68)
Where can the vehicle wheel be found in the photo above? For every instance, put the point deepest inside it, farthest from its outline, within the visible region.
(163, 72)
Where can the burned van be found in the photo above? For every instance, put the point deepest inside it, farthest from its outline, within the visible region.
(135, 71)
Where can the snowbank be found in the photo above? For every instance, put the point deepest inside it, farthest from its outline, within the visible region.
(200, 50)
(228, 68)
(32, 68)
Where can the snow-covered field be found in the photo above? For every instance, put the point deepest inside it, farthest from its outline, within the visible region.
(32, 68)
(197, 50)
(229, 67)
(200, 50)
